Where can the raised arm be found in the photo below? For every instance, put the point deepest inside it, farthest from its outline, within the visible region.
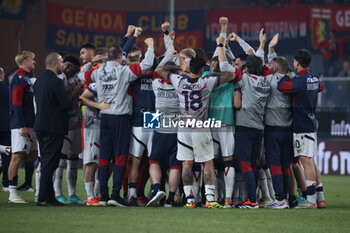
(262, 38)
(168, 42)
(128, 46)
(147, 62)
(129, 32)
(223, 32)
(244, 45)
(272, 54)
(223, 62)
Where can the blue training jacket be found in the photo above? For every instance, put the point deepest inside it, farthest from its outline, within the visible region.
(21, 101)
(304, 88)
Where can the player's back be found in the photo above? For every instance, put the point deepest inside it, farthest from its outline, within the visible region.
(279, 105)
(255, 90)
(112, 83)
(194, 95)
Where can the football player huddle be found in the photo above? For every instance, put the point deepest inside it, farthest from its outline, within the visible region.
(227, 131)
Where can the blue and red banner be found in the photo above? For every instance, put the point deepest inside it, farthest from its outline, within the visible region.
(69, 27)
(326, 23)
(290, 22)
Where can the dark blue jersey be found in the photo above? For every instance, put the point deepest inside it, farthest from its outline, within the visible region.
(143, 98)
(4, 107)
(21, 101)
(304, 89)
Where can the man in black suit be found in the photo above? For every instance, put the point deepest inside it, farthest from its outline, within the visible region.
(51, 123)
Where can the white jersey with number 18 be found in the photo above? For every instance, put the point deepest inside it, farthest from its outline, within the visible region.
(193, 95)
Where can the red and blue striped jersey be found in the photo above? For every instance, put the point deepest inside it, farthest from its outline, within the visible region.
(21, 101)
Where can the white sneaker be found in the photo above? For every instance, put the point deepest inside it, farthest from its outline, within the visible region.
(278, 205)
(102, 203)
(155, 200)
(265, 202)
(5, 189)
(17, 200)
(115, 203)
(307, 205)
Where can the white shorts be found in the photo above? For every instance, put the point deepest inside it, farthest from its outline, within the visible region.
(72, 143)
(305, 144)
(23, 144)
(195, 144)
(140, 140)
(224, 139)
(91, 145)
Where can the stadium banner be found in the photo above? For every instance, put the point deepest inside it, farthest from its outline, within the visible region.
(324, 20)
(12, 9)
(69, 27)
(333, 157)
(188, 25)
(333, 124)
(290, 22)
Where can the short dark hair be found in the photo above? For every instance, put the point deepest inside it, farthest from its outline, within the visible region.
(196, 64)
(242, 56)
(114, 52)
(254, 65)
(282, 63)
(88, 46)
(303, 56)
(200, 53)
(75, 61)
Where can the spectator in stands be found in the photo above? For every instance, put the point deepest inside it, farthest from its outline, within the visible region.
(346, 69)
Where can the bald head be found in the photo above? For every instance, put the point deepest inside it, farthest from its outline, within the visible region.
(54, 62)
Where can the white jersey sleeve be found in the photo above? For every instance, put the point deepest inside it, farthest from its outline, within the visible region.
(211, 82)
(225, 66)
(174, 79)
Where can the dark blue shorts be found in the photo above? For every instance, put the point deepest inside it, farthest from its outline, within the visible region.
(164, 146)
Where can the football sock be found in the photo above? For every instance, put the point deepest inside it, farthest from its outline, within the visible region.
(132, 190)
(210, 192)
(72, 175)
(97, 185)
(13, 186)
(319, 193)
(311, 190)
(196, 169)
(188, 190)
(263, 184)
(58, 177)
(269, 182)
(37, 179)
(89, 187)
(229, 179)
(171, 197)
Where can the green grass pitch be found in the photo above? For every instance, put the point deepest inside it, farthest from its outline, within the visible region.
(74, 218)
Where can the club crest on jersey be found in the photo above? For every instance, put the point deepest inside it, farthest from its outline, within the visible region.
(152, 120)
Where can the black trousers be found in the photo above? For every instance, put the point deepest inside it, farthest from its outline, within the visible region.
(5, 140)
(50, 145)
